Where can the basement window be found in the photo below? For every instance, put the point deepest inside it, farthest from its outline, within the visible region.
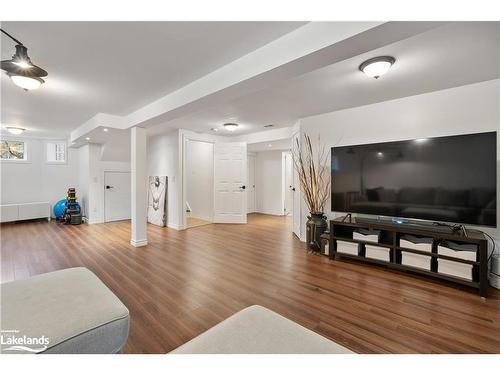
(56, 152)
(14, 150)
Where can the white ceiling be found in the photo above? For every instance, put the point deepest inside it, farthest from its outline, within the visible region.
(280, 145)
(449, 56)
(117, 67)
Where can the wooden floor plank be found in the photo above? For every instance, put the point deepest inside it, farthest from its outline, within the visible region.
(185, 282)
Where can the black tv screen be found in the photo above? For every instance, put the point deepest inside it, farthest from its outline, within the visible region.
(445, 179)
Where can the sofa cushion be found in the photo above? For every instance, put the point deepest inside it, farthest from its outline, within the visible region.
(381, 194)
(372, 195)
(416, 196)
(481, 197)
(71, 308)
(492, 204)
(446, 197)
(257, 330)
(387, 195)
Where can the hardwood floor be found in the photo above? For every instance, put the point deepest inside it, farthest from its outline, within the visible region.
(193, 222)
(185, 282)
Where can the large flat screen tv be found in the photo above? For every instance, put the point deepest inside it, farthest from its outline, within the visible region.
(446, 179)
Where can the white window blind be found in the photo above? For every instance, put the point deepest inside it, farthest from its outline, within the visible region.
(56, 152)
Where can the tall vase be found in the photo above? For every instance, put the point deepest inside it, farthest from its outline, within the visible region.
(316, 225)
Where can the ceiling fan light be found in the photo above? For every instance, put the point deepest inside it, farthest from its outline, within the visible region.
(22, 64)
(26, 83)
(20, 69)
(231, 126)
(377, 66)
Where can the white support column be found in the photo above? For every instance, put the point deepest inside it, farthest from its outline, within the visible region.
(139, 187)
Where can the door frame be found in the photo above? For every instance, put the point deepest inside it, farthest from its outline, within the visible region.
(297, 196)
(103, 200)
(253, 156)
(284, 187)
(193, 137)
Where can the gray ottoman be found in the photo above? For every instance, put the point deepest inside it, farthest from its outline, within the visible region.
(67, 311)
(257, 330)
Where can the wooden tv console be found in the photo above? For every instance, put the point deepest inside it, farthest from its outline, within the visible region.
(389, 239)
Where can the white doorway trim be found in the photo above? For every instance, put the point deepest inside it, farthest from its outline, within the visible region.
(193, 137)
(297, 195)
(287, 183)
(251, 181)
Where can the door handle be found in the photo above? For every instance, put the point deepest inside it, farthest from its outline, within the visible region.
(243, 187)
(109, 187)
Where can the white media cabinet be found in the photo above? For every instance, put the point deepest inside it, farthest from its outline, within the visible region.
(24, 211)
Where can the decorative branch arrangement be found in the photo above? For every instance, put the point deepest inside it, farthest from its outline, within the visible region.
(311, 164)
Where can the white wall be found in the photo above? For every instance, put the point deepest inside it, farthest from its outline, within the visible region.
(35, 180)
(117, 147)
(165, 157)
(163, 160)
(268, 182)
(460, 110)
(199, 178)
(84, 177)
(91, 180)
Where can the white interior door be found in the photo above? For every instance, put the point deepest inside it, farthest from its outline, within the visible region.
(116, 196)
(288, 184)
(230, 182)
(251, 184)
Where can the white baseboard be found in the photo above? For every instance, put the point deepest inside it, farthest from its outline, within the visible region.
(138, 243)
(206, 218)
(266, 212)
(94, 221)
(174, 226)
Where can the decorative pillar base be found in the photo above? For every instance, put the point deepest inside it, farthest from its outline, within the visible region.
(139, 243)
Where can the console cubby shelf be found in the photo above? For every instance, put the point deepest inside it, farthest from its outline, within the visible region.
(389, 239)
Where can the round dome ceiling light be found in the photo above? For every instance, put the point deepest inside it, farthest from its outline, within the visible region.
(14, 130)
(20, 69)
(377, 66)
(231, 126)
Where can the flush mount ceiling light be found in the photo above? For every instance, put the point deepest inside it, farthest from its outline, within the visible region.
(21, 70)
(231, 126)
(14, 130)
(377, 66)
